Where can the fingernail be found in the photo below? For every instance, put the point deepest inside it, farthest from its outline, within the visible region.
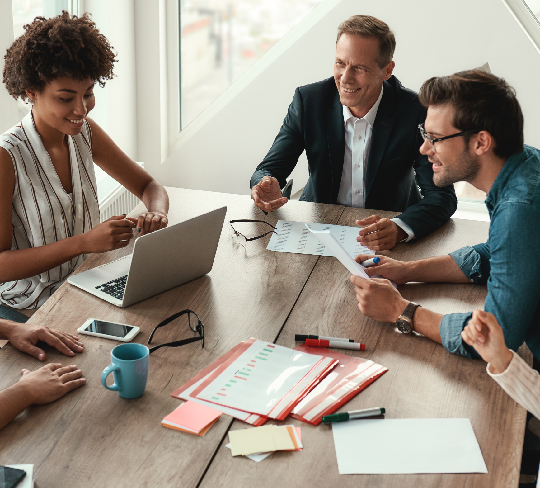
(41, 356)
(139, 229)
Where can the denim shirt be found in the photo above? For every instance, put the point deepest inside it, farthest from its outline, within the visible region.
(509, 262)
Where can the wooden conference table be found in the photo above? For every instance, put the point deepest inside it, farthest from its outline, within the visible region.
(93, 438)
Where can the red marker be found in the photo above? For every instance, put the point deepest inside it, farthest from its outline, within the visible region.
(337, 344)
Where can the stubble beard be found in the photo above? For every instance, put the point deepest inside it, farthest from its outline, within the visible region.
(464, 168)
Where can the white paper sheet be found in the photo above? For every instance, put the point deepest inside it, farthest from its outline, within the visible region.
(334, 247)
(406, 446)
(295, 237)
(259, 378)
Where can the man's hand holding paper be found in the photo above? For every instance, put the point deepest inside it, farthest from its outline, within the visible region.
(379, 234)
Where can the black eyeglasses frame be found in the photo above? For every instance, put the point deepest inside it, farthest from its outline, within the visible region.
(199, 329)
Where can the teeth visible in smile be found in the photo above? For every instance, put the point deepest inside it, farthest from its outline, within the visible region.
(76, 121)
(347, 90)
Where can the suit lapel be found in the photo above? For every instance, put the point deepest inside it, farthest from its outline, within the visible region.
(381, 133)
(335, 128)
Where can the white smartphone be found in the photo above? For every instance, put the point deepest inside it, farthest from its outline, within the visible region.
(109, 330)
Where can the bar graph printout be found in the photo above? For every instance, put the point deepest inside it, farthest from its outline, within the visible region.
(296, 238)
(266, 379)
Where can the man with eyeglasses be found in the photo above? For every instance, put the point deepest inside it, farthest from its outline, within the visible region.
(359, 131)
(474, 132)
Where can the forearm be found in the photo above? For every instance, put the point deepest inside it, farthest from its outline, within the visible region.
(13, 401)
(441, 269)
(155, 197)
(6, 326)
(427, 323)
(24, 263)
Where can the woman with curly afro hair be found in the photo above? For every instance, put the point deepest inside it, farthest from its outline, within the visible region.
(49, 214)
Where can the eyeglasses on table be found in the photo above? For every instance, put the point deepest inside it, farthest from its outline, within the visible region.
(195, 324)
(248, 239)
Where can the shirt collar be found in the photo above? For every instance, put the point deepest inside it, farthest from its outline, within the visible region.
(500, 183)
(369, 117)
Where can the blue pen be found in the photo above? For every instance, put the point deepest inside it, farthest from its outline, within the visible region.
(371, 262)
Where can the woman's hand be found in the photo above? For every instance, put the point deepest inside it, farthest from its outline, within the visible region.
(484, 333)
(151, 221)
(114, 233)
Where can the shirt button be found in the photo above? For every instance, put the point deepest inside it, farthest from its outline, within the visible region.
(479, 276)
(359, 137)
(357, 192)
(471, 280)
(356, 165)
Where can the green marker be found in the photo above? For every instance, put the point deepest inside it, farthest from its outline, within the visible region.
(356, 414)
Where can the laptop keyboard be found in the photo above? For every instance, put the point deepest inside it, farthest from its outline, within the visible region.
(115, 287)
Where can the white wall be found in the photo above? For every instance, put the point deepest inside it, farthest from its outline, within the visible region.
(220, 149)
(116, 105)
(9, 115)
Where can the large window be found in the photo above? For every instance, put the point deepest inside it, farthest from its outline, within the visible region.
(221, 39)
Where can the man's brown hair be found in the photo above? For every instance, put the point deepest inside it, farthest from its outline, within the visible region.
(481, 101)
(368, 26)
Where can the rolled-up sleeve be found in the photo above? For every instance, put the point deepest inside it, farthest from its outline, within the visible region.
(510, 264)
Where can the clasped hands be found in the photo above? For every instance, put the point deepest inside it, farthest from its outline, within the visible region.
(117, 231)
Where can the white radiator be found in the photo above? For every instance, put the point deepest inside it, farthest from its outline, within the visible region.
(119, 201)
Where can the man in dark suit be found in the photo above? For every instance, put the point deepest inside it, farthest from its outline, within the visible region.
(360, 133)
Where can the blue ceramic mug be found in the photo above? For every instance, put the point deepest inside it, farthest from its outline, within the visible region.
(130, 370)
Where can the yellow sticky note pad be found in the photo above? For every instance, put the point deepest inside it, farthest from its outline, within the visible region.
(251, 441)
(263, 439)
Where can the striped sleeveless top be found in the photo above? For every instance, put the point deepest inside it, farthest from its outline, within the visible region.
(42, 212)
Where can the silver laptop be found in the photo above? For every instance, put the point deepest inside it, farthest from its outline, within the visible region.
(160, 261)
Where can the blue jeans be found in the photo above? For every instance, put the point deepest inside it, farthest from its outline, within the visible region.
(12, 314)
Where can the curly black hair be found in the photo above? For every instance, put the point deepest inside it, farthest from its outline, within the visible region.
(60, 46)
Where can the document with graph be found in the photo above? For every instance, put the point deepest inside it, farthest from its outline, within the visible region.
(266, 379)
(295, 237)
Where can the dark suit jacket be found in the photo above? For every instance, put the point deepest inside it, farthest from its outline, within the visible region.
(398, 177)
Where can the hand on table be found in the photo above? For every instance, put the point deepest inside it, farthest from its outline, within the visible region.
(388, 268)
(25, 336)
(49, 383)
(150, 221)
(484, 333)
(378, 299)
(114, 233)
(267, 195)
(379, 234)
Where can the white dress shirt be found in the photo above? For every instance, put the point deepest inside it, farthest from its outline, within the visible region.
(352, 189)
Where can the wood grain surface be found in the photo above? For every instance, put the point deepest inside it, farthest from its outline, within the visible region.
(423, 381)
(92, 437)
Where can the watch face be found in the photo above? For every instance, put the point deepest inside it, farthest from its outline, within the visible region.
(404, 327)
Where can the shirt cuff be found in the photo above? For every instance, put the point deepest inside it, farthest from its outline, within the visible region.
(504, 373)
(450, 329)
(406, 229)
(470, 262)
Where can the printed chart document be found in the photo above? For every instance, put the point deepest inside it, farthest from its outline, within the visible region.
(266, 379)
(406, 446)
(295, 237)
(336, 249)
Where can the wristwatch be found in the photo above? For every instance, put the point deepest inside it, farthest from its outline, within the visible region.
(404, 321)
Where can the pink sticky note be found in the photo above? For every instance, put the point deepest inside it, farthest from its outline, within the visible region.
(193, 416)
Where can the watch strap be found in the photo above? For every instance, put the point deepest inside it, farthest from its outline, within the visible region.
(405, 319)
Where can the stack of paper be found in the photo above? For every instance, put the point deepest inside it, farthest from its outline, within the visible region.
(191, 417)
(345, 381)
(262, 441)
(257, 380)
